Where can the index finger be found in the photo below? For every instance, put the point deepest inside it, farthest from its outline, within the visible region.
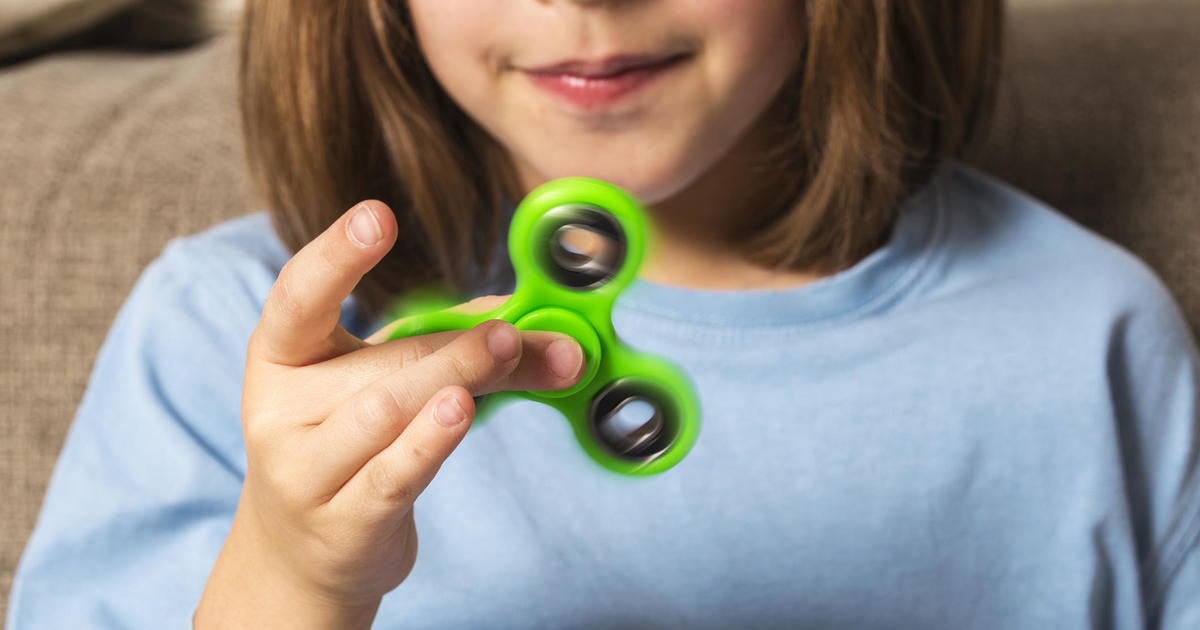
(299, 322)
(481, 304)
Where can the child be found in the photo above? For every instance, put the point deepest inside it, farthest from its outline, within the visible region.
(928, 401)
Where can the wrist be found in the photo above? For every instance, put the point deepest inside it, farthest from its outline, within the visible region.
(248, 587)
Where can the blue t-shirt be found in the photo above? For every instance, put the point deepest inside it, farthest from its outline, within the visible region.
(990, 422)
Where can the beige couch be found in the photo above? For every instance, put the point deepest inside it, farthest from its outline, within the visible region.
(106, 155)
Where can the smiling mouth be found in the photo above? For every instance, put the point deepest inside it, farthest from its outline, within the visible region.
(594, 84)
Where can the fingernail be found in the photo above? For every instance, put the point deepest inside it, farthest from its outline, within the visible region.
(503, 343)
(448, 412)
(564, 357)
(364, 229)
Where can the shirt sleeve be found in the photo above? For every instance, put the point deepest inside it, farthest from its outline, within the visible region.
(145, 487)
(1155, 368)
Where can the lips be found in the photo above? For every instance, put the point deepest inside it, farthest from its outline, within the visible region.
(591, 84)
(603, 67)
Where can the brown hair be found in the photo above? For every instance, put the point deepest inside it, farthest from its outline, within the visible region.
(338, 106)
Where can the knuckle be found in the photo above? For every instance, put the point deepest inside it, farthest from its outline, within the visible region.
(279, 480)
(414, 351)
(384, 486)
(287, 305)
(260, 348)
(258, 432)
(376, 410)
(265, 420)
(421, 453)
(409, 354)
(458, 370)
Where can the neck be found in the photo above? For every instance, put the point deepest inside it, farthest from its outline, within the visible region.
(693, 246)
(690, 264)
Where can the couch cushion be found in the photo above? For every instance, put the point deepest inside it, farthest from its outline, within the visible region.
(30, 27)
(112, 154)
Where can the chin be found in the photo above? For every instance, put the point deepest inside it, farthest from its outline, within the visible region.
(650, 185)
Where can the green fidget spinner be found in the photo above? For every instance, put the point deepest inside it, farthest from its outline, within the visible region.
(575, 244)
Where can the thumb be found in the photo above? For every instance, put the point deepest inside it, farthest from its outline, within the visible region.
(299, 322)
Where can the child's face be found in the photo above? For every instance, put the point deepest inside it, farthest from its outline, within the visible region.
(653, 131)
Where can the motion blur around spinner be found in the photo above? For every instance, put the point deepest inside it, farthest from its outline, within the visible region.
(575, 244)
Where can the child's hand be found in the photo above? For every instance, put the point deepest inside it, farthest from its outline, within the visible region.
(342, 434)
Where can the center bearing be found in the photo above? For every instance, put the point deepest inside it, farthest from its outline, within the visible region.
(563, 321)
